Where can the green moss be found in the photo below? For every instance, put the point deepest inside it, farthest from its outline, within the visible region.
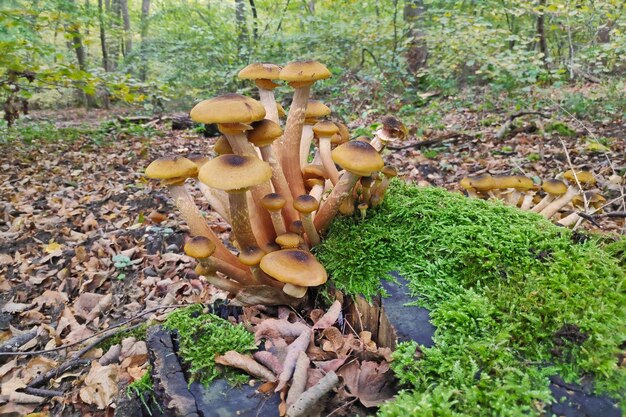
(499, 283)
(143, 388)
(139, 333)
(202, 336)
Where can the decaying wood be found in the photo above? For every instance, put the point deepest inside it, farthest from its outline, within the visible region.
(365, 316)
(170, 385)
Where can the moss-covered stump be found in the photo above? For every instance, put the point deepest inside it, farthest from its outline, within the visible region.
(514, 299)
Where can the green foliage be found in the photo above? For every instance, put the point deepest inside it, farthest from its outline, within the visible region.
(499, 283)
(202, 336)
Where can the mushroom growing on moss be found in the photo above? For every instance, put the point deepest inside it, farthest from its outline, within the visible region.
(298, 269)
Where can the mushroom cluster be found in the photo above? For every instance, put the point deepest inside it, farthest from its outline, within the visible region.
(558, 199)
(279, 188)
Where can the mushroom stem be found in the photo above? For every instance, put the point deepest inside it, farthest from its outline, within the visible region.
(290, 147)
(305, 144)
(543, 203)
(240, 220)
(377, 143)
(278, 221)
(528, 200)
(213, 264)
(384, 184)
(569, 220)
(328, 211)
(309, 229)
(223, 283)
(317, 191)
(552, 208)
(218, 200)
(280, 184)
(198, 225)
(266, 97)
(327, 160)
(363, 209)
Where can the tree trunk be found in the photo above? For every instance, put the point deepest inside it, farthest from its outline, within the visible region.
(114, 45)
(417, 54)
(72, 29)
(128, 41)
(103, 38)
(242, 26)
(255, 20)
(541, 32)
(311, 6)
(145, 14)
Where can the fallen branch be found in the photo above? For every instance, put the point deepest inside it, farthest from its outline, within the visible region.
(18, 341)
(452, 137)
(592, 218)
(507, 123)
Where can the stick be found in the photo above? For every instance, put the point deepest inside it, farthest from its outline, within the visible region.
(313, 395)
(452, 137)
(16, 342)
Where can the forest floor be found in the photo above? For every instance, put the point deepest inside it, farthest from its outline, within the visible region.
(83, 247)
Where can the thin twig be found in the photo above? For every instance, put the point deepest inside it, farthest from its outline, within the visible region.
(40, 392)
(453, 136)
(39, 352)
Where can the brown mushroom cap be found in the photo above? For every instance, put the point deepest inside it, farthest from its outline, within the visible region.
(393, 129)
(198, 159)
(235, 172)
(260, 71)
(584, 177)
(229, 108)
(251, 255)
(273, 202)
(199, 247)
(483, 182)
(343, 131)
(295, 267)
(302, 73)
(264, 132)
(281, 110)
(315, 109)
(360, 158)
(504, 181)
(296, 227)
(389, 171)
(171, 170)
(367, 181)
(595, 200)
(288, 240)
(222, 146)
(314, 171)
(325, 129)
(523, 183)
(306, 204)
(554, 187)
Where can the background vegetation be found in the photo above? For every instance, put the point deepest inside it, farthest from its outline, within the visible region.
(165, 54)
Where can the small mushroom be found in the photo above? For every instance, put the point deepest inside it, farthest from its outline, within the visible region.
(358, 159)
(315, 110)
(324, 131)
(263, 75)
(582, 178)
(202, 249)
(222, 147)
(553, 189)
(388, 172)
(289, 240)
(363, 209)
(391, 129)
(274, 203)
(366, 187)
(306, 205)
(298, 269)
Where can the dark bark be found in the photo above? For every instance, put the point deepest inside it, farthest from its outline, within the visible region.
(541, 32)
(103, 38)
(255, 20)
(417, 53)
(114, 41)
(145, 14)
(128, 42)
(76, 40)
(242, 24)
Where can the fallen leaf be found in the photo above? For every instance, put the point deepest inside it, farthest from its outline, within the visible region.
(370, 382)
(100, 385)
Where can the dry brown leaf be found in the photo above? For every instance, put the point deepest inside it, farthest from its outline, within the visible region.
(293, 351)
(274, 328)
(370, 382)
(247, 364)
(16, 410)
(100, 385)
(37, 366)
(330, 317)
(133, 352)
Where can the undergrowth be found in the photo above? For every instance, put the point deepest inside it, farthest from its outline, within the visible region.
(500, 283)
(201, 336)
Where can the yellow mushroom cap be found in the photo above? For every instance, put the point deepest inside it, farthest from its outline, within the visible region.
(584, 177)
(259, 71)
(273, 202)
(483, 182)
(314, 171)
(229, 108)
(325, 129)
(343, 131)
(523, 183)
(306, 203)
(554, 187)
(171, 169)
(296, 227)
(199, 247)
(294, 266)
(466, 183)
(315, 109)
(312, 182)
(235, 172)
(357, 157)
(222, 146)
(389, 171)
(288, 240)
(198, 159)
(595, 200)
(264, 132)
(251, 255)
(302, 73)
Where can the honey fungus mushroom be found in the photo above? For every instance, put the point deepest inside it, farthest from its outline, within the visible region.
(263, 75)
(298, 269)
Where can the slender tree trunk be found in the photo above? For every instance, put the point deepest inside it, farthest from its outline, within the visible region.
(103, 38)
(417, 54)
(145, 14)
(87, 33)
(242, 26)
(255, 20)
(114, 45)
(311, 6)
(128, 42)
(541, 32)
(81, 56)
